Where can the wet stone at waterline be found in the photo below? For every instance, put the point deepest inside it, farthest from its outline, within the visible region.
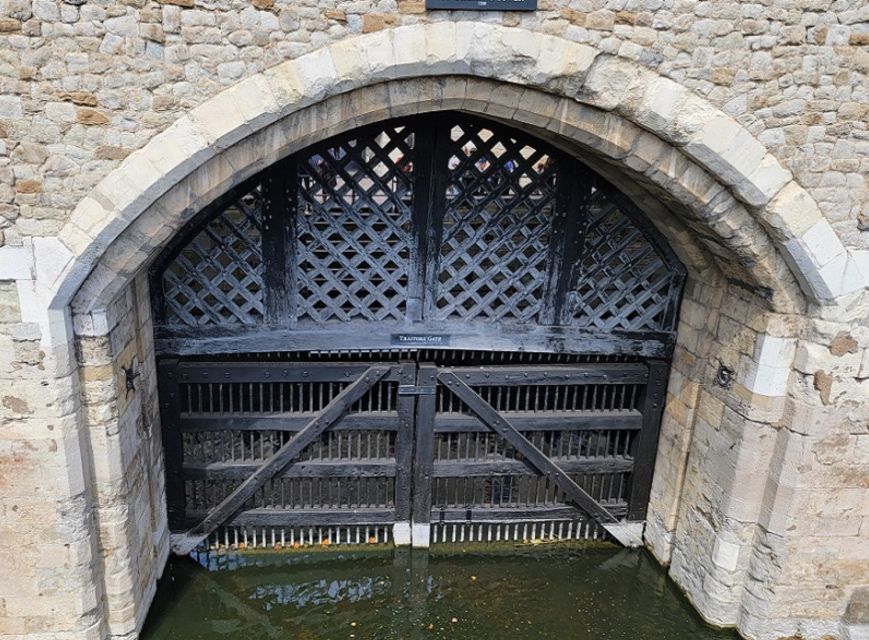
(580, 594)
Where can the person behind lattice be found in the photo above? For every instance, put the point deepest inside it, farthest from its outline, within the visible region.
(324, 171)
(455, 162)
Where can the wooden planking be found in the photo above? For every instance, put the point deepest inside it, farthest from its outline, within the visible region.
(279, 242)
(572, 208)
(611, 473)
(288, 422)
(616, 420)
(428, 195)
(323, 420)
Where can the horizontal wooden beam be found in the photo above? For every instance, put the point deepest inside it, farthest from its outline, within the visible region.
(289, 422)
(457, 469)
(361, 336)
(387, 468)
(618, 420)
(304, 517)
(193, 371)
(319, 469)
(552, 375)
(378, 517)
(515, 514)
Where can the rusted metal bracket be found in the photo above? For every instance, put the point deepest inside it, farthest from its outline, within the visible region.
(130, 375)
(724, 376)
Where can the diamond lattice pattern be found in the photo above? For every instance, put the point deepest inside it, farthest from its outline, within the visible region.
(217, 278)
(496, 229)
(621, 281)
(354, 228)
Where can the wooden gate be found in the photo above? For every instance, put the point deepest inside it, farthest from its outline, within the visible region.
(285, 453)
(476, 298)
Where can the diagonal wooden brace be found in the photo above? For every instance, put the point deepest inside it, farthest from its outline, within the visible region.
(328, 416)
(500, 425)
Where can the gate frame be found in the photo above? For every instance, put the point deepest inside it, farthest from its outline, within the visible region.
(414, 460)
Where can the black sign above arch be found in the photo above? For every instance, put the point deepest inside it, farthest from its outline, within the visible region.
(443, 225)
(482, 5)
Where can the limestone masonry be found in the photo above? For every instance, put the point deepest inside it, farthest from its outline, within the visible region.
(740, 128)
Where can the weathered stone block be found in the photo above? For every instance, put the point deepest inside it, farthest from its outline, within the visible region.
(611, 80)
(10, 308)
(726, 149)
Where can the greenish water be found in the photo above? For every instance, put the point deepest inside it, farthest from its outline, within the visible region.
(579, 594)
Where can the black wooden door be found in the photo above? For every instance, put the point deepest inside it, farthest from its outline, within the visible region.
(534, 452)
(286, 451)
(289, 453)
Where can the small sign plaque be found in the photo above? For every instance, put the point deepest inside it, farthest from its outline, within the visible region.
(420, 340)
(483, 5)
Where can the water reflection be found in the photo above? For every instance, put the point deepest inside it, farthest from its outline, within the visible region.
(600, 594)
(320, 592)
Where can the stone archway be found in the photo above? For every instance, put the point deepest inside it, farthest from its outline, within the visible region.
(621, 92)
(722, 186)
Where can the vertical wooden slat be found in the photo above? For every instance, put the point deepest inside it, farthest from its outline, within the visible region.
(279, 242)
(645, 444)
(173, 452)
(422, 162)
(423, 456)
(434, 202)
(404, 447)
(572, 198)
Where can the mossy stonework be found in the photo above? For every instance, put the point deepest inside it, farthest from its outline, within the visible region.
(739, 128)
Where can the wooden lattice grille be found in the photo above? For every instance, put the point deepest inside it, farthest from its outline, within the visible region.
(440, 224)
(621, 282)
(353, 228)
(500, 196)
(217, 277)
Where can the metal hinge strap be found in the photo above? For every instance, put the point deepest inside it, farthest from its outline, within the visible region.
(416, 389)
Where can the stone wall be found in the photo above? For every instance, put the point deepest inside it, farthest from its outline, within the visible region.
(127, 481)
(760, 497)
(84, 84)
